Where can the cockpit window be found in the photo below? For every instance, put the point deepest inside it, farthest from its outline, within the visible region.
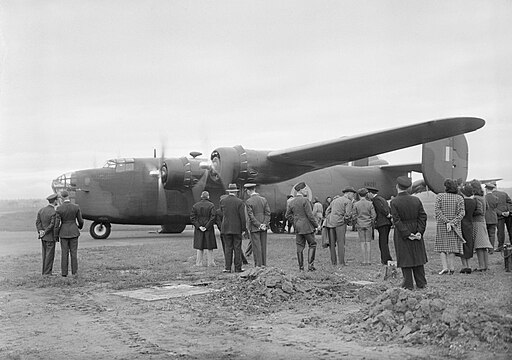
(121, 165)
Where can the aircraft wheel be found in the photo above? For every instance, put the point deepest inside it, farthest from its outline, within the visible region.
(99, 230)
(172, 228)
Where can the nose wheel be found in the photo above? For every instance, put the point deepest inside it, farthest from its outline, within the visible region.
(99, 230)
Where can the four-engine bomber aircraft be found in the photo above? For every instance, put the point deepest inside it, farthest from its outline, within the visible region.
(152, 191)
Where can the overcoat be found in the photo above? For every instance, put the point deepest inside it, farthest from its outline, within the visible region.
(204, 214)
(233, 215)
(46, 221)
(258, 212)
(69, 219)
(448, 208)
(467, 227)
(302, 214)
(504, 203)
(382, 210)
(409, 217)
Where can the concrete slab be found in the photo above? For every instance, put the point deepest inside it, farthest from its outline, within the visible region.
(362, 282)
(165, 292)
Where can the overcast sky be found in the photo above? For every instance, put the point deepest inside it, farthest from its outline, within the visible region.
(85, 81)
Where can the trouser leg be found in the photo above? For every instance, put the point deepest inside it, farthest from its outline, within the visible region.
(43, 253)
(419, 276)
(310, 238)
(407, 274)
(385, 255)
(64, 256)
(491, 231)
(237, 249)
(49, 257)
(73, 252)
(508, 223)
(501, 232)
(301, 243)
(228, 254)
(263, 237)
(332, 245)
(256, 248)
(340, 239)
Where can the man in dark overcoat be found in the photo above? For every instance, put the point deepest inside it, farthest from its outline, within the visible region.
(203, 216)
(410, 222)
(258, 220)
(382, 224)
(304, 223)
(70, 221)
(232, 227)
(504, 213)
(45, 224)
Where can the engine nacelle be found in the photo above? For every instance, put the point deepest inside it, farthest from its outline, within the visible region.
(179, 173)
(238, 165)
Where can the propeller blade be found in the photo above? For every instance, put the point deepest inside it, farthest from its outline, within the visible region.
(199, 187)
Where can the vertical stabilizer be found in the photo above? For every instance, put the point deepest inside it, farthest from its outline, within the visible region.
(442, 159)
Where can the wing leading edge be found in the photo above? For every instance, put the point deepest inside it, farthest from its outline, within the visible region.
(333, 152)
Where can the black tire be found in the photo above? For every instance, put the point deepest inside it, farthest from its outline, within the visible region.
(100, 230)
(173, 228)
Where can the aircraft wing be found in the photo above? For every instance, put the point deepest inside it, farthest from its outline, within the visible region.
(345, 149)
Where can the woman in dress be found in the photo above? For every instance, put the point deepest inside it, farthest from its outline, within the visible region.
(466, 191)
(480, 236)
(449, 211)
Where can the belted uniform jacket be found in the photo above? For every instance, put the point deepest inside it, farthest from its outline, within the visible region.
(301, 212)
(70, 221)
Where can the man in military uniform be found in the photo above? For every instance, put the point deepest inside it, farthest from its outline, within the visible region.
(258, 220)
(45, 224)
(70, 221)
(304, 223)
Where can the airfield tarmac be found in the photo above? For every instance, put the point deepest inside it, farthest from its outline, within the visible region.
(17, 243)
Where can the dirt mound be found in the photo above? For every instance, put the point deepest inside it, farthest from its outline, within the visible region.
(425, 318)
(265, 289)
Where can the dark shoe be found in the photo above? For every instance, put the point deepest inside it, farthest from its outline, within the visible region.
(452, 272)
(499, 249)
(226, 271)
(311, 268)
(478, 270)
(444, 272)
(239, 270)
(64, 275)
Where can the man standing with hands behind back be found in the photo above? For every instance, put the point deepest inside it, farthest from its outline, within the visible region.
(45, 224)
(258, 213)
(232, 227)
(410, 222)
(70, 221)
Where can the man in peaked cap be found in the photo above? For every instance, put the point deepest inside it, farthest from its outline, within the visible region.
(45, 224)
(410, 222)
(69, 222)
(382, 223)
(258, 221)
(300, 211)
(340, 217)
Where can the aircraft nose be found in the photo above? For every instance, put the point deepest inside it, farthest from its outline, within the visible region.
(65, 181)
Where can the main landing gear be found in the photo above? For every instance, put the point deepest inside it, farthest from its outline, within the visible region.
(100, 230)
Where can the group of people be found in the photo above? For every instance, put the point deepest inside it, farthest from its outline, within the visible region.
(59, 223)
(467, 220)
(233, 219)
